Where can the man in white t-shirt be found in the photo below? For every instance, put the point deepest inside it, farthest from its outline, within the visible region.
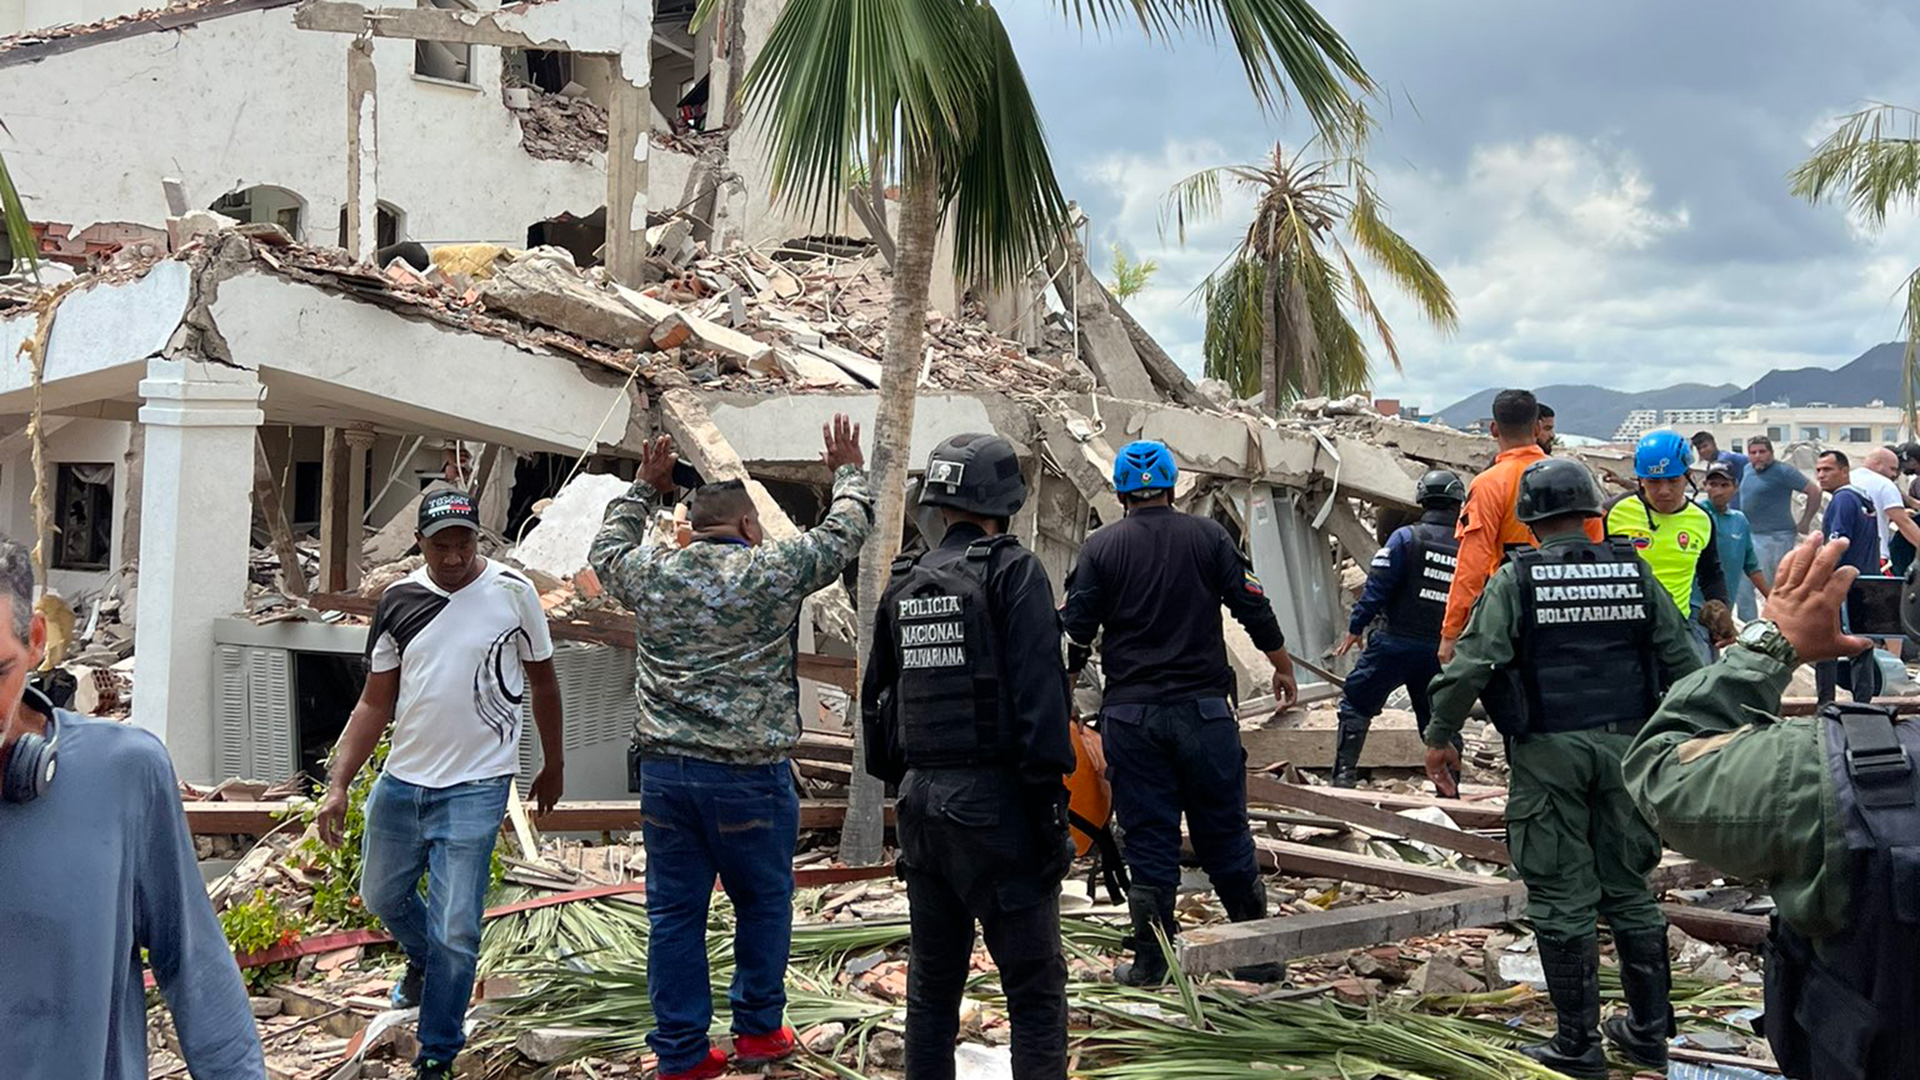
(1876, 483)
(454, 650)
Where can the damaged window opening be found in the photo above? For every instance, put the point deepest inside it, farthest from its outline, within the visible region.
(542, 69)
(445, 61)
(83, 511)
(387, 229)
(265, 204)
(581, 237)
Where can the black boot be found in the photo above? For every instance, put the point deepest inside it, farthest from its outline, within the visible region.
(1149, 907)
(1346, 753)
(1647, 979)
(1246, 900)
(1573, 982)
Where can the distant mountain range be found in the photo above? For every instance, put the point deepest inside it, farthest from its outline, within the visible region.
(1597, 412)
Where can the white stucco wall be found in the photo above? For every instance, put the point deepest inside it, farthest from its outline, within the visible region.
(249, 99)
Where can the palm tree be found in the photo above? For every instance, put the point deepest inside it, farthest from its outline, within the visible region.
(930, 91)
(1281, 309)
(1873, 160)
(18, 236)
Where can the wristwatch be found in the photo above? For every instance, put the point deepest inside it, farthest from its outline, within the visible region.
(1763, 637)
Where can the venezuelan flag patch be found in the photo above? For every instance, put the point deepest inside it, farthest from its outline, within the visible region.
(1254, 586)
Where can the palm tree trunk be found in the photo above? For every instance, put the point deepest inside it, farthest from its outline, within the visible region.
(1270, 374)
(863, 833)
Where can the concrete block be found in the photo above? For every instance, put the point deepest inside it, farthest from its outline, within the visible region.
(544, 292)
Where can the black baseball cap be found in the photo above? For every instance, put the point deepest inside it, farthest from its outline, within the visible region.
(445, 509)
(1720, 470)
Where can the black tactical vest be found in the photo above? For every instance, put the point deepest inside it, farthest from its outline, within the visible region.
(947, 647)
(1847, 1011)
(1419, 605)
(1585, 654)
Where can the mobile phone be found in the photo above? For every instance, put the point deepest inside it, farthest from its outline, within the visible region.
(1873, 607)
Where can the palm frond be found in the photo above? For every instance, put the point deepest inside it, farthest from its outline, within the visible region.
(1285, 47)
(1197, 197)
(1230, 298)
(1873, 159)
(1006, 204)
(1410, 270)
(19, 235)
(1910, 364)
(840, 81)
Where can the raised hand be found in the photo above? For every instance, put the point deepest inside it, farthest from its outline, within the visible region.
(843, 443)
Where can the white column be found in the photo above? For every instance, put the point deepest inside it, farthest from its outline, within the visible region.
(196, 515)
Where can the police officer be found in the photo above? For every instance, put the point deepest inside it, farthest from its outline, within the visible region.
(1825, 808)
(1155, 581)
(1406, 591)
(1572, 644)
(965, 707)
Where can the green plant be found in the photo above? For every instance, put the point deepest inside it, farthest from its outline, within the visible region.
(258, 924)
(1130, 277)
(19, 236)
(336, 893)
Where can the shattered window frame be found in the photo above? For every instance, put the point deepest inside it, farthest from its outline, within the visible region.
(85, 542)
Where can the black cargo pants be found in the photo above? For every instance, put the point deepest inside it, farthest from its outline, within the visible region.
(971, 850)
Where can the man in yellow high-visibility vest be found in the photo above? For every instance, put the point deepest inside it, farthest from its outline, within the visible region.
(1670, 531)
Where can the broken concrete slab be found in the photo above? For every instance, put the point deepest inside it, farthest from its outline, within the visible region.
(558, 544)
(545, 292)
(1088, 463)
(707, 334)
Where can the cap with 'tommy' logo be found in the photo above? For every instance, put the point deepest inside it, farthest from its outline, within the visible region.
(446, 509)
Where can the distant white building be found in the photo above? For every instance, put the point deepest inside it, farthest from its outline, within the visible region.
(1637, 423)
(1843, 426)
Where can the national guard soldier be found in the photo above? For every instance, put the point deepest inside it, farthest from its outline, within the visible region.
(1825, 809)
(965, 707)
(1407, 593)
(1572, 643)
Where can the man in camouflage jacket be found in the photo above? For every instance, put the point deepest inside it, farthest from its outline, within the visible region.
(719, 713)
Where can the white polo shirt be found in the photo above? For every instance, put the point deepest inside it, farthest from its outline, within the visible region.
(461, 679)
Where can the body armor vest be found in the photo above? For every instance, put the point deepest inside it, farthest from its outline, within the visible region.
(1845, 1011)
(1584, 655)
(949, 696)
(1419, 605)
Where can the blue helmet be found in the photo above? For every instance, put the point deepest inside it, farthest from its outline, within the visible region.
(1662, 455)
(1144, 466)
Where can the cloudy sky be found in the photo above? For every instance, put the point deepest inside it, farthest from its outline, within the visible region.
(1601, 183)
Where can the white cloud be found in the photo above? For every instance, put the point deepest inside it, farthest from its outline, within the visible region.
(1566, 263)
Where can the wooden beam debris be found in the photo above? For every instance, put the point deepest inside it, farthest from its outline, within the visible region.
(1290, 937)
(1315, 800)
(1469, 815)
(588, 816)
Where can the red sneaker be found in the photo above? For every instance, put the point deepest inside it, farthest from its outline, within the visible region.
(761, 1049)
(714, 1065)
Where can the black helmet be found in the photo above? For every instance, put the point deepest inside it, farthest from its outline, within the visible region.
(1439, 485)
(1556, 486)
(976, 473)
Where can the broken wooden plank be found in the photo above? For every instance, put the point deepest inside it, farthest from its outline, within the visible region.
(1305, 860)
(266, 488)
(1290, 937)
(1470, 815)
(588, 816)
(1308, 739)
(1268, 790)
(1719, 927)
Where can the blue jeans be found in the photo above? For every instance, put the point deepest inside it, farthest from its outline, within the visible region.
(699, 819)
(447, 834)
(1169, 758)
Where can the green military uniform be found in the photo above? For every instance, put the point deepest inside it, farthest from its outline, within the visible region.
(1748, 794)
(1825, 809)
(1577, 840)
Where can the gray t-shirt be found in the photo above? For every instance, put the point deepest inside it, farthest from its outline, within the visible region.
(95, 870)
(1766, 497)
